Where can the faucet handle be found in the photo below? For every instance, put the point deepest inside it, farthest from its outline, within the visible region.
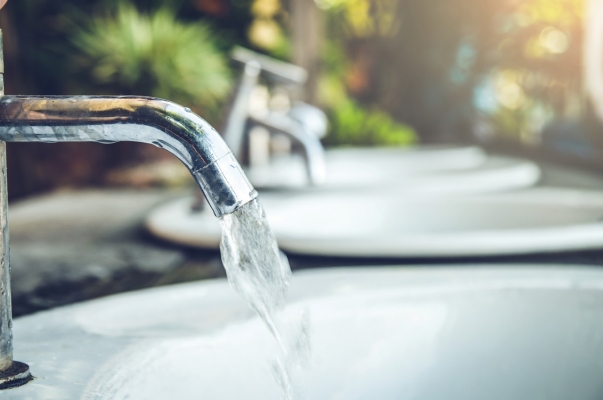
(281, 71)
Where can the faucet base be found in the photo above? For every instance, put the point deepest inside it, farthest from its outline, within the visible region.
(16, 375)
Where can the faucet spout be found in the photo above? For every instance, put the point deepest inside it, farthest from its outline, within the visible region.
(314, 153)
(109, 119)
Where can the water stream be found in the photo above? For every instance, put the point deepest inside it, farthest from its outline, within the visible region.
(260, 273)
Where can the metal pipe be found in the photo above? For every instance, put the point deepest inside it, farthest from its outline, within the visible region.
(109, 119)
(6, 337)
(12, 373)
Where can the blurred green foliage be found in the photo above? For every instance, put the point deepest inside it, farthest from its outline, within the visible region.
(538, 75)
(267, 32)
(440, 65)
(40, 33)
(129, 52)
(352, 125)
(420, 61)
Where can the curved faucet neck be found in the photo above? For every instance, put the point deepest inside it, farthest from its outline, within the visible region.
(109, 119)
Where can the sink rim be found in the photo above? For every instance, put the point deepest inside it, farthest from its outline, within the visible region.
(475, 170)
(172, 222)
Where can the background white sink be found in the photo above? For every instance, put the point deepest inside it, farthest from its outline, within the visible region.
(516, 332)
(381, 225)
(289, 170)
(423, 169)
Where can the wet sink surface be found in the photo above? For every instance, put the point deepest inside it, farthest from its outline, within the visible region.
(539, 220)
(470, 332)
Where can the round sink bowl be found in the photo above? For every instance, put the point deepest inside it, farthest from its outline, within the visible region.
(431, 169)
(538, 220)
(461, 333)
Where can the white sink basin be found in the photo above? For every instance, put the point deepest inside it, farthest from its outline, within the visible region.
(381, 333)
(539, 220)
(431, 169)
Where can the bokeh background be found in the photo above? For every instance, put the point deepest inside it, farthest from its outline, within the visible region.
(508, 73)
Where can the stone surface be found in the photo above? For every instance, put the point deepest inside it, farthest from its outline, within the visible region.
(71, 246)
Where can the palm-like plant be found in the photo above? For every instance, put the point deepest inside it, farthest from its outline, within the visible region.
(153, 54)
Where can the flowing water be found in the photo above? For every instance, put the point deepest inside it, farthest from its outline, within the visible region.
(260, 273)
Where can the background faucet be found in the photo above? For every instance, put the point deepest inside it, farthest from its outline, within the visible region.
(303, 123)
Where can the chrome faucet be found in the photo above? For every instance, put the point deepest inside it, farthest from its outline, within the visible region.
(108, 120)
(296, 124)
(133, 119)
